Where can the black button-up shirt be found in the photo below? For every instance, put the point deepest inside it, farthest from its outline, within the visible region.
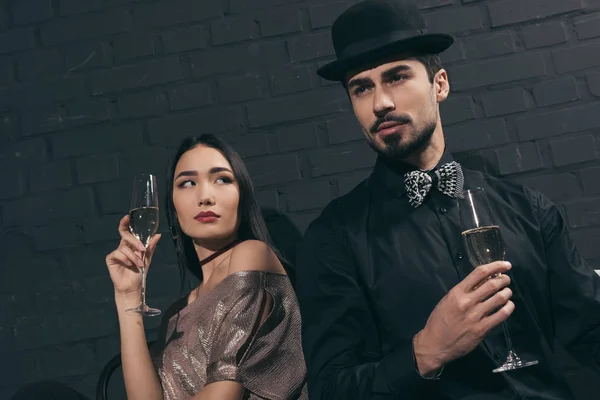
(372, 268)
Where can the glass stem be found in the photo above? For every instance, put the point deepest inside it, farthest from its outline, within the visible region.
(143, 294)
(507, 337)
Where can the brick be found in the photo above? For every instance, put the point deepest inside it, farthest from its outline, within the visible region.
(196, 94)
(296, 137)
(583, 213)
(573, 150)
(520, 158)
(427, 4)
(26, 152)
(230, 30)
(554, 123)
(279, 22)
(268, 201)
(303, 220)
(39, 63)
(590, 180)
(68, 7)
(514, 11)
(23, 368)
(16, 40)
(12, 184)
(114, 197)
(457, 109)
(9, 128)
(88, 26)
(144, 74)
(307, 196)
(31, 11)
(557, 91)
(455, 20)
(502, 102)
(274, 170)
(97, 139)
(102, 229)
(81, 57)
(335, 160)
(86, 112)
(176, 12)
(67, 359)
(151, 159)
(37, 93)
(348, 182)
(344, 129)
(544, 34)
(238, 58)
(501, 70)
(73, 203)
(185, 39)
(250, 146)
(97, 168)
(453, 54)
(142, 104)
(43, 120)
(15, 305)
(478, 134)
(489, 44)
(55, 297)
(308, 47)
(577, 58)
(239, 6)
(239, 88)
(7, 71)
(557, 186)
(593, 80)
(56, 175)
(290, 80)
(169, 131)
(587, 26)
(35, 269)
(300, 106)
(133, 45)
(323, 15)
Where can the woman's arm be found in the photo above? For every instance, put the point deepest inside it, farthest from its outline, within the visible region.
(141, 379)
(223, 390)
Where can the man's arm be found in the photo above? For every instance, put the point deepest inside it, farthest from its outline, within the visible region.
(340, 337)
(574, 288)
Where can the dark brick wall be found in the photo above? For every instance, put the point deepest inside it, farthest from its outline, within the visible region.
(92, 91)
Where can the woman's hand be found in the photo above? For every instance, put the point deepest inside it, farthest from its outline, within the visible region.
(125, 262)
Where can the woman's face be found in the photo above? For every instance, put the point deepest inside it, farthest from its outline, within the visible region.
(206, 195)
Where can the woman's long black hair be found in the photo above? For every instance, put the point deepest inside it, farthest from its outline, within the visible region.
(252, 224)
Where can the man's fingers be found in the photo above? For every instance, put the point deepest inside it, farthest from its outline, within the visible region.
(498, 317)
(483, 273)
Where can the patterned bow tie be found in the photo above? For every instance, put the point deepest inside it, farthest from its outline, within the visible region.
(450, 181)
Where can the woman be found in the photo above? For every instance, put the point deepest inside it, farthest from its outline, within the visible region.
(237, 335)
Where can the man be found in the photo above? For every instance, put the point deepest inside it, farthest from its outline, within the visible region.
(391, 306)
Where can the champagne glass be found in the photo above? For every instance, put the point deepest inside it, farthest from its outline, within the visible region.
(484, 244)
(143, 224)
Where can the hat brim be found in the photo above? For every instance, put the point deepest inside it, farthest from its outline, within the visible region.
(433, 43)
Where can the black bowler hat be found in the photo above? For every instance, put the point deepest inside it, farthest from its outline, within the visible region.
(374, 29)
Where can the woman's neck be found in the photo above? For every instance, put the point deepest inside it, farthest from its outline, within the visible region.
(206, 249)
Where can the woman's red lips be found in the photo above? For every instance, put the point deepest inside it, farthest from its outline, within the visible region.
(206, 216)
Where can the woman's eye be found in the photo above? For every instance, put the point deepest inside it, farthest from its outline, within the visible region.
(223, 180)
(185, 184)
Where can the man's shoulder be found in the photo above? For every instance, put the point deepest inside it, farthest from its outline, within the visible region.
(506, 188)
(345, 208)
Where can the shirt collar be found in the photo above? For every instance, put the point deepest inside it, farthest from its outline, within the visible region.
(391, 176)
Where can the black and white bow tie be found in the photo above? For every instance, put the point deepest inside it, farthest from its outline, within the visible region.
(449, 180)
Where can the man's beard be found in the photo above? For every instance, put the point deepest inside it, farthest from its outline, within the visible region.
(396, 148)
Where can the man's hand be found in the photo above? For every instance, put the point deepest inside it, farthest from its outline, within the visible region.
(464, 316)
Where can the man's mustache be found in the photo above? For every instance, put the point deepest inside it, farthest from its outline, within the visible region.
(401, 119)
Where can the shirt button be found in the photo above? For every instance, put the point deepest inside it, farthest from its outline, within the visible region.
(443, 210)
(460, 256)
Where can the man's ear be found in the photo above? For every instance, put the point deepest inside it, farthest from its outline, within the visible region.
(441, 85)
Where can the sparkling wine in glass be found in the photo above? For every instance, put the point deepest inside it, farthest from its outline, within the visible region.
(143, 224)
(484, 244)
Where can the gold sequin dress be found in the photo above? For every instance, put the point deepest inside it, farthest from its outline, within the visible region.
(219, 337)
